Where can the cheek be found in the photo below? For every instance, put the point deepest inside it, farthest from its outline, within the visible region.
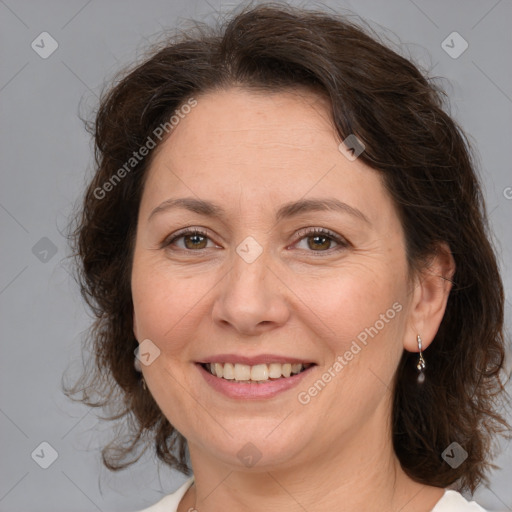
(361, 343)
(362, 314)
(352, 299)
(166, 303)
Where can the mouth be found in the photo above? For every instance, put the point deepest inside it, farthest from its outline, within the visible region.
(255, 374)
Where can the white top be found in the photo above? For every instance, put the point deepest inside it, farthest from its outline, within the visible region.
(451, 501)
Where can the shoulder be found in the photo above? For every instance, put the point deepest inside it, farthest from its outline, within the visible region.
(453, 501)
(170, 502)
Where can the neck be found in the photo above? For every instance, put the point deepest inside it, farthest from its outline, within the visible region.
(361, 473)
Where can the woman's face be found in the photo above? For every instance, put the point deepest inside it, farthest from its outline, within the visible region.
(261, 282)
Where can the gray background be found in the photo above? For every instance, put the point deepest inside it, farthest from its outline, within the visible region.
(46, 158)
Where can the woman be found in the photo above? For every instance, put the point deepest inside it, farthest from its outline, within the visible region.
(286, 249)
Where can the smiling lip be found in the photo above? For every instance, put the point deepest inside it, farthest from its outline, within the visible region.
(252, 390)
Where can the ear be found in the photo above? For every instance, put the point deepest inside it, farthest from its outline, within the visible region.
(430, 293)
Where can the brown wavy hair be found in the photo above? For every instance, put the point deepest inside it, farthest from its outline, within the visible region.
(428, 168)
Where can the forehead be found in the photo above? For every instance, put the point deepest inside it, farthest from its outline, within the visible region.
(287, 121)
(248, 146)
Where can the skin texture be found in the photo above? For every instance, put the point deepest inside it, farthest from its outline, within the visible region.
(250, 153)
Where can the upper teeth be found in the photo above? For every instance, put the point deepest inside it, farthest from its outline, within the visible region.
(258, 372)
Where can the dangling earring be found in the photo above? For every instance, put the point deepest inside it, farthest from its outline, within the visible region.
(138, 368)
(420, 366)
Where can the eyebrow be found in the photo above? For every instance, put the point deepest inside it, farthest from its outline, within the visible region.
(288, 210)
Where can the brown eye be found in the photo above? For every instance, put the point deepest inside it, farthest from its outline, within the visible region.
(193, 240)
(321, 240)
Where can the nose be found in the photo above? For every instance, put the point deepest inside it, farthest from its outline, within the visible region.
(251, 298)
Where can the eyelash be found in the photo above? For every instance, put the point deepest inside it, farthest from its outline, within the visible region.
(303, 233)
